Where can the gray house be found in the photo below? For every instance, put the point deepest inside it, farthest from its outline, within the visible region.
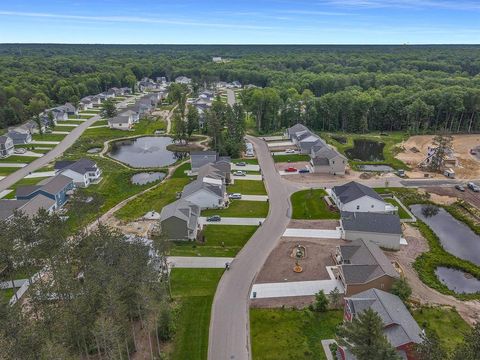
(20, 137)
(328, 161)
(200, 158)
(179, 220)
(6, 146)
(291, 131)
(384, 230)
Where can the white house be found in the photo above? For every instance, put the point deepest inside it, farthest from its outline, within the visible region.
(135, 116)
(355, 197)
(206, 193)
(121, 122)
(83, 172)
(6, 146)
(183, 80)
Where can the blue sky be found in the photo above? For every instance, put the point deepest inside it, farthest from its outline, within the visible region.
(241, 21)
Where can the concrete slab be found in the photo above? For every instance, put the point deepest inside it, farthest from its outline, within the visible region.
(254, 197)
(280, 143)
(45, 142)
(9, 285)
(248, 177)
(285, 153)
(232, 221)
(61, 132)
(40, 174)
(198, 262)
(5, 193)
(16, 165)
(326, 348)
(296, 288)
(248, 167)
(98, 126)
(313, 233)
(30, 154)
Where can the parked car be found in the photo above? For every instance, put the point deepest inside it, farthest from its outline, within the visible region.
(239, 173)
(20, 150)
(241, 163)
(474, 187)
(460, 187)
(214, 218)
(304, 171)
(473, 151)
(289, 151)
(291, 169)
(235, 196)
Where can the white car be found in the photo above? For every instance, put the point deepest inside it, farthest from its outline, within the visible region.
(235, 196)
(289, 151)
(240, 173)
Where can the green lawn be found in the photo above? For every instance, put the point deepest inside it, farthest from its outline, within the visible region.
(4, 171)
(193, 290)
(447, 323)
(247, 187)
(246, 161)
(309, 205)
(18, 159)
(281, 334)
(240, 208)
(180, 171)
(74, 117)
(234, 237)
(291, 158)
(48, 137)
(6, 295)
(77, 122)
(63, 128)
(401, 211)
(100, 122)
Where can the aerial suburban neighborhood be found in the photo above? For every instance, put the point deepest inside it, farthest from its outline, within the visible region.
(238, 202)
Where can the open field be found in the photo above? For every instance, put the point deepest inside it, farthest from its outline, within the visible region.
(240, 208)
(469, 165)
(293, 158)
(220, 240)
(193, 291)
(309, 204)
(283, 334)
(247, 161)
(48, 137)
(247, 187)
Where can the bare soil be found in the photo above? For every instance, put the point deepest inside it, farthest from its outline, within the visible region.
(298, 165)
(421, 293)
(469, 165)
(314, 224)
(449, 194)
(280, 263)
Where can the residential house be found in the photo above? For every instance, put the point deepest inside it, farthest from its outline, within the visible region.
(355, 197)
(292, 131)
(220, 170)
(237, 84)
(132, 114)
(26, 207)
(58, 113)
(20, 135)
(362, 265)
(69, 108)
(385, 230)
(110, 93)
(97, 99)
(326, 160)
(206, 193)
(217, 59)
(58, 188)
(200, 158)
(121, 122)
(399, 327)
(179, 220)
(183, 80)
(126, 90)
(6, 146)
(85, 105)
(83, 172)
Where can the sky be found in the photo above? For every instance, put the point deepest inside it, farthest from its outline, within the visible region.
(240, 21)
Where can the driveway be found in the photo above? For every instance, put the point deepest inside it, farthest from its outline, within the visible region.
(248, 177)
(313, 233)
(198, 262)
(231, 221)
(280, 143)
(247, 167)
(296, 288)
(254, 197)
(40, 174)
(56, 152)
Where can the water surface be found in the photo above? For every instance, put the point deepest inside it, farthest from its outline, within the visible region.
(146, 178)
(458, 281)
(366, 150)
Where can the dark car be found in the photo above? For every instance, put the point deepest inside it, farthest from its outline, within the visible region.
(214, 218)
(460, 188)
(304, 171)
(242, 163)
(474, 187)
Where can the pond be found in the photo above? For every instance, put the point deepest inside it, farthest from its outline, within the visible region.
(146, 178)
(144, 152)
(366, 150)
(377, 168)
(455, 237)
(458, 281)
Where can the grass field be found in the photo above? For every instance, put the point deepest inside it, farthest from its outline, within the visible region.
(18, 159)
(281, 334)
(63, 128)
(233, 237)
(401, 211)
(180, 171)
(247, 187)
(447, 323)
(291, 158)
(240, 208)
(48, 137)
(246, 161)
(193, 290)
(309, 204)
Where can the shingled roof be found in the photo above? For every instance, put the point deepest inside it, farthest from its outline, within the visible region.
(353, 191)
(371, 222)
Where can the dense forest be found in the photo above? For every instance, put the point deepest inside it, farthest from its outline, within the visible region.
(349, 88)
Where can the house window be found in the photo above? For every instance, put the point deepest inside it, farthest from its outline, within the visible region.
(358, 207)
(373, 206)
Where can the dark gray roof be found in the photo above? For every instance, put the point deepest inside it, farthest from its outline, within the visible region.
(7, 207)
(328, 153)
(320, 161)
(182, 209)
(57, 184)
(400, 327)
(26, 190)
(83, 166)
(4, 139)
(353, 191)
(33, 206)
(62, 164)
(200, 158)
(296, 128)
(372, 222)
(198, 184)
(364, 261)
(120, 119)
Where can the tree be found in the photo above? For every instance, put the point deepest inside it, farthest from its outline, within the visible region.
(364, 338)
(430, 348)
(321, 302)
(192, 120)
(470, 348)
(38, 121)
(443, 146)
(402, 289)
(335, 298)
(179, 127)
(109, 110)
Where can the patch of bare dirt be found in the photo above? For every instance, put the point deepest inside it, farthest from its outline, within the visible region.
(298, 302)
(450, 195)
(314, 224)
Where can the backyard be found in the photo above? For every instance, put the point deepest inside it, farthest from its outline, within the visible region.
(247, 187)
(241, 208)
(310, 205)
(291, 158)
(278, 334)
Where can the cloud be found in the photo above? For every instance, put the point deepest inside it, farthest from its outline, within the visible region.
(412, 4)
(133, 19)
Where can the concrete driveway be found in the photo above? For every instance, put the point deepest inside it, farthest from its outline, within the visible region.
(286, 153)
(247, 167)
(280, 143)
(247, 177)
(313, 233)
(198, 262)
(254, 197)
(231, 221)
(295, 288)
(40, 174)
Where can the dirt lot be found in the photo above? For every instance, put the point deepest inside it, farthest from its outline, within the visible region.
(469, 310)
(280, 263)
(448, 195)
(314, 224)
(298, 165)
(469, 165)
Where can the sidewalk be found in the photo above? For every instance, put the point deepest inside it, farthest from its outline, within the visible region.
(198, 262)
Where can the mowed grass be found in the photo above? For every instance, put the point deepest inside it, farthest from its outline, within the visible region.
(291, 158)
(76, 122)
(401, 211)
(282, 334)
(18, 159)
(309, 205)
(193, 290)
(4, 171)
(246, 161)
(220, 240)
(180, 171)
(48, 137)
(247, 187)
(446, 322)
(241, 208)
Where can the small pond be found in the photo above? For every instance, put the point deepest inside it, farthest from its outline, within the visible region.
(144, 152)
(455, 237)
(146, 178)
(366, 150)
(457, 280)
(94, 150)
(340, 139)
(378, 168)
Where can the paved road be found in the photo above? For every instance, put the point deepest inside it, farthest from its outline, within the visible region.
(231, 97)
(51, 155)
(229, 324)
